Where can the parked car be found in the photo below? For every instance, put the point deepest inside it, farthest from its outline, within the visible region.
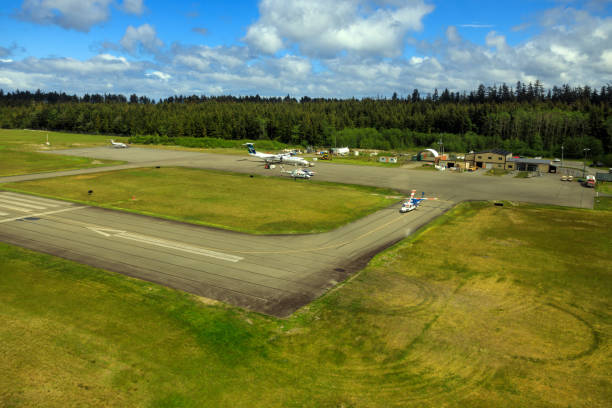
(556, 160)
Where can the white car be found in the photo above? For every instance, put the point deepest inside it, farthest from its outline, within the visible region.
(556, 160)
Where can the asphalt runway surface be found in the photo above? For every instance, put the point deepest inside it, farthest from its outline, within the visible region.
(275, 274)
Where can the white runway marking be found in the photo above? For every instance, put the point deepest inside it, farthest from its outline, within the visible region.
(23, 199)
(10, 207)
(43, 213)
(27, 198)
(14, 202)
(179, 246)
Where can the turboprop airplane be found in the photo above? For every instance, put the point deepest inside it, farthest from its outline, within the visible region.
(277, 158)
(118, 145)
(413, 203)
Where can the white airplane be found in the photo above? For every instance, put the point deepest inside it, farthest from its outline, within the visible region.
(298, 173)
(277, 158)
(118, 145)
(413, 203)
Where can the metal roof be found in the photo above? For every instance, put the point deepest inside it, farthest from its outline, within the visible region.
(528, 161)
(496, 151)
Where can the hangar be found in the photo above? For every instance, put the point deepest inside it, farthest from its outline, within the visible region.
(523, 164)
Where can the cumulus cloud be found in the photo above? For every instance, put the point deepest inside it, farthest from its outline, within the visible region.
(325, 28)
(143, 39)
(79, 15)
(571, 46)
(133, 6)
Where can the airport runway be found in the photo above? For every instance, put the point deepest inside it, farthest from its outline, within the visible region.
(270, 274)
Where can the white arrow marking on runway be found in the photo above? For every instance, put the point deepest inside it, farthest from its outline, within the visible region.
(179, 246)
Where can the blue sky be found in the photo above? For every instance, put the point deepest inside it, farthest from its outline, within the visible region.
(340, 48)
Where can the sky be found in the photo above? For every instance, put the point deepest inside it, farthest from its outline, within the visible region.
(316, 48)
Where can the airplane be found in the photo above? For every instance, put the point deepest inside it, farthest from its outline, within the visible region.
(118, 145)
(277, 158)
(413, 203)
(298, 173)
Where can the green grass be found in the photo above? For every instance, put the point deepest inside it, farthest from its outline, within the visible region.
(604, 187)
(19, 152)
(426, 167)
(363, 160)
(603, 203)
(234, 201)
(497, 172)
(522, 174)
(34, 140)
(506, 316)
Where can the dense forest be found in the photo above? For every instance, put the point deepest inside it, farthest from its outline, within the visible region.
(525, 119)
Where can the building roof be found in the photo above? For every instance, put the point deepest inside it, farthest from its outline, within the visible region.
(528, 161)
(496, 151)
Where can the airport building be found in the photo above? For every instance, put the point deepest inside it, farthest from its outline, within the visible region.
(523, 164)
(491, 159)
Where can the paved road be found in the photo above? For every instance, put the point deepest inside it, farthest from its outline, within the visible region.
(270, 274)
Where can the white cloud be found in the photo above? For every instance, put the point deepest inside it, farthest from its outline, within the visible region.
(571, 46)
(79, 15)
(264, 38)
(143, 38)
(133, 6)
(326, 28)
(159, 75)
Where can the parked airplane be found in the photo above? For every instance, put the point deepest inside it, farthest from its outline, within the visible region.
(118, 145)
(277, 158)
(413, 203)
(298, 173)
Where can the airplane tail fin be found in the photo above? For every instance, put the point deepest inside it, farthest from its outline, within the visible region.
(251, 148)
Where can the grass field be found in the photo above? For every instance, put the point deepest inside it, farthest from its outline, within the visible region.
(489, 307)
(235, 201)
(19, 151)
(363, 160)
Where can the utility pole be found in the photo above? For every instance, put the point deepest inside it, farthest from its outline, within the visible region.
(562, 158)
(586, 150)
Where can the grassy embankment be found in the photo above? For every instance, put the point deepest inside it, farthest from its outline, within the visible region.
(604, 203)
(19, 151)
(514, 311)
(234, 201)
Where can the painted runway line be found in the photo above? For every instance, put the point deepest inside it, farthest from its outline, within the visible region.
(20, 209)
(42, 213)
(28, 198)
(178, 246)
(28, 205)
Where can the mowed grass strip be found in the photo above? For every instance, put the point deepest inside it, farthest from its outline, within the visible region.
(19, 151)
(15, 162)
(488, 307)
(261, 205)
(35, 140)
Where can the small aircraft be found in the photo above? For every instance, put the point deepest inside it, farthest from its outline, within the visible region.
(413, 203)
(118, 145)
(277, 158)
(298, 173)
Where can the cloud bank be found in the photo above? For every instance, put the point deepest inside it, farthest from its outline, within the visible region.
(350, 48)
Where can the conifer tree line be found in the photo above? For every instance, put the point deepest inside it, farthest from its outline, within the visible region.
(525, 119)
